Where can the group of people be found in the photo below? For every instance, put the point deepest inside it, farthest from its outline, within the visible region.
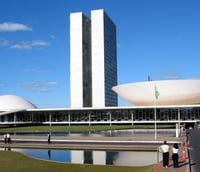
(7, 138)
(165, 152)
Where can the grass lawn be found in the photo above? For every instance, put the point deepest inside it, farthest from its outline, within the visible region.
(63, 128)
(16, 162)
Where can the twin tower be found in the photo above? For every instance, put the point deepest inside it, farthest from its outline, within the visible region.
(93, 60)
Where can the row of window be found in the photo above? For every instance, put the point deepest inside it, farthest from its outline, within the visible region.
(103, 115)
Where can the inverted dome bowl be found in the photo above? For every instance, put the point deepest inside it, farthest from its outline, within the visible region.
(171, 92)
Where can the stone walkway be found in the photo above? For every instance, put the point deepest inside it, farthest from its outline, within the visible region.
(98, 143)
(183, 165)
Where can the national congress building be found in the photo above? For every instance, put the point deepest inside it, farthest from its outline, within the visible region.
(93, 60)
(94, 89)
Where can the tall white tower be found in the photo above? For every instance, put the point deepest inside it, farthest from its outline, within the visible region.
(80, 61)
(104, 60)
(93, 60)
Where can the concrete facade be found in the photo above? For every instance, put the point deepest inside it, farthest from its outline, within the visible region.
(93, 60)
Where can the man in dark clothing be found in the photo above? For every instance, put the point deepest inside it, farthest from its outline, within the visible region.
(49, 138)
(165, 151)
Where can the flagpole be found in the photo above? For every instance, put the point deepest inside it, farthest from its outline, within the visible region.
(155, 116)
(155, 103)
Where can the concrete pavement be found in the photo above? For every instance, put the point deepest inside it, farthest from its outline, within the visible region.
(194, 149)
(183, 164)
(97, 143)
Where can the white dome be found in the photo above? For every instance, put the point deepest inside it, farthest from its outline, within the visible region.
(171, 92)
(12, 102)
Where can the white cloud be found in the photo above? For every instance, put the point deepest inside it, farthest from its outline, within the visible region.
(52, 83)
(39, 43)
(29, 45)
(41, 89)
(2, 85)
(171, 77)
(52, 36)
(39, 86)
(4, 42)
(36, 70)
(12, 27)
(21, 46)
(30, 84)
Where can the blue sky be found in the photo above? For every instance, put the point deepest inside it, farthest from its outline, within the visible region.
(160, 38)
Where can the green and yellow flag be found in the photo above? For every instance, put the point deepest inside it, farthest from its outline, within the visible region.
(157, 94)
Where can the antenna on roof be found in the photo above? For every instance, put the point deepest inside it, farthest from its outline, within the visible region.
(149, 78)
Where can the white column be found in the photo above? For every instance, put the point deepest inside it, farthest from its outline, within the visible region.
(177, 130)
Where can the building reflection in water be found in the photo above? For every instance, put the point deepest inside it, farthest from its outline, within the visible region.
(49, 154)
(88, 158)
(122, 158)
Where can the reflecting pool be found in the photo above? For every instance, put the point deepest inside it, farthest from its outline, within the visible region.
(119, 158)
(110, 133)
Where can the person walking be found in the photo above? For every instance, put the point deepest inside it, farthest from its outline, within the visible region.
(175, 155)
(5, 138)
(49, 138)
(164, 149)
(8, 138)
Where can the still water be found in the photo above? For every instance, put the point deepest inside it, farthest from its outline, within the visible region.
(122, 158)
(119, 158)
